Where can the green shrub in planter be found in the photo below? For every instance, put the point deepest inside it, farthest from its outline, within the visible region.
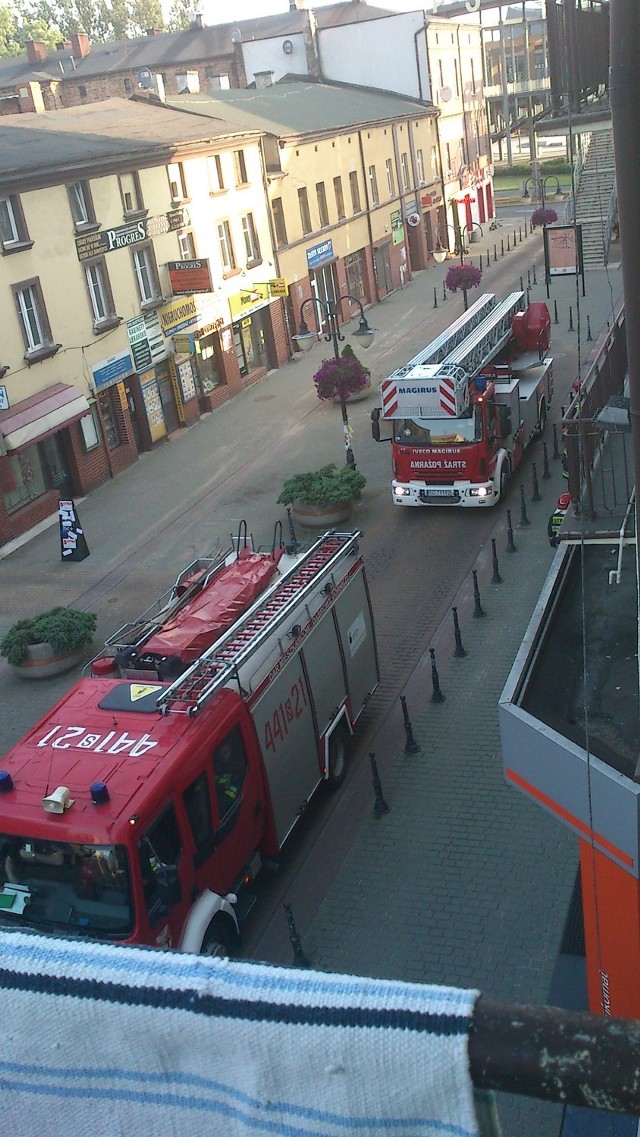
(66, 629)
(326, 486)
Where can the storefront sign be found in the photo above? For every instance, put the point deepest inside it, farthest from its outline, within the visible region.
(146, 341)
(278, 287)
(563, 249)
(153, 405)
(186, 380)
(244, 303)
(184, 344)
(189, 276)
(319, 254)
(4, 399)
(110, 370)
(178, 314)
(122, 236)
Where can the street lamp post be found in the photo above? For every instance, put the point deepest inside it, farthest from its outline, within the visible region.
(329, 311)
(440, 253)
(539, 186)
(468, 229)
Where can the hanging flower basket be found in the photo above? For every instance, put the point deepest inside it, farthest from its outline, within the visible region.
(543, 217)
(462, 276)
(342, 376)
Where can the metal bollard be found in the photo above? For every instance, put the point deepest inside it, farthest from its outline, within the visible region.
(299, 958)
(444, 290)
(295, 544)
(435, 297)
(480, 262)
(478, 610)
(495, 253)
(535, 279)
(380, 806)
(459, 652)
(535, 496)
(496, 578)
(502, 246)
(570, 319)
(589, 336)
(520, 233)
(410, 746)
(555, 312)
(525, 228)
(546, 472)
(508, 244)
(514, 238)
(522, 284)
(437, 696)
(511, 546)
(528, 278)
(524, 520)
(556, 452)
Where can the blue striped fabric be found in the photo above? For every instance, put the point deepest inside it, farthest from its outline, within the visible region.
(105, 1040)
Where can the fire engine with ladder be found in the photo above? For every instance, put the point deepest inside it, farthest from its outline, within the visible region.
(463, 410)
(140, 808)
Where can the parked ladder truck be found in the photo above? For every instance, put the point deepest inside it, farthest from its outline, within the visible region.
(140, 808)
(463, 410)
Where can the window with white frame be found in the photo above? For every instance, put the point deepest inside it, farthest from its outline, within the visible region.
(420, 167)
(390, 179)
(81, 203)
(240, 167)
(186, 245)
(225, 244)
(32, 315)
(215, 173)
(13, 229)
(251, 244)
(177, 184)
(404, 169)
(146, 273)
(131, 193)
(99, 291)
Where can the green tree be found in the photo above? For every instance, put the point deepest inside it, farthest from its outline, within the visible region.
(179, 15)
(144, 14)
(9, 34)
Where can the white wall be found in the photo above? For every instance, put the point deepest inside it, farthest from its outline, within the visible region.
(267, 55)
(376, 53)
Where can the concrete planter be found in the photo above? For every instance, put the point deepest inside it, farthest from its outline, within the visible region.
(40, 661)
(321, 516)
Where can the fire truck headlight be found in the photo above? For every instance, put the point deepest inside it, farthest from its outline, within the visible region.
(480, 491)
(400, 491)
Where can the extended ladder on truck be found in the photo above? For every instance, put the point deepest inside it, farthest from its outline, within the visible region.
(442, 346)
(220, 663)
(466, 359)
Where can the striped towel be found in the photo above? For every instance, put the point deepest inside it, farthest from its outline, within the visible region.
(106, 1040)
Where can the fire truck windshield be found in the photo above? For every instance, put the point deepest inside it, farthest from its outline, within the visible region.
(438, 431)
(83, 889)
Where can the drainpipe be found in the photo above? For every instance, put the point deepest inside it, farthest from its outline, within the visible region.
(274, 245)
(505, 90)
(368, 205)
(442, 234)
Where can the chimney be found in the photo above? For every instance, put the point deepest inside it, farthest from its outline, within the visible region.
(154, 31)
(80, 45)
(297, 5)
(36, 51)
(31, 101)
(263, 79)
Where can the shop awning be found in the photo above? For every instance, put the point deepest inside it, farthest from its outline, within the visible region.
(41, 415)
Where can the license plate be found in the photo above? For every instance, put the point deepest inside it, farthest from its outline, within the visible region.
(438, 493)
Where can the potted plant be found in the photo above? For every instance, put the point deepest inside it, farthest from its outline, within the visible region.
(323, 498)
(343, 378)
(48, 644)
(543, 216)
(463, 276)
(353, 396)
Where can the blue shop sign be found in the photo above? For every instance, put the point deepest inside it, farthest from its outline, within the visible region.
(319, 254)
(115, 367)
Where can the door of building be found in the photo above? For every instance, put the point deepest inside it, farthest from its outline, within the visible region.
(323, 287)
(382, 268)
(167, 397)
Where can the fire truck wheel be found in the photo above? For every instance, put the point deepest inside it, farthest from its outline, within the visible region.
(217, 941)
(337, 759)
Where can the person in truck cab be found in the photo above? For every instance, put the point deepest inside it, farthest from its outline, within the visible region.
(230, 768)
(20, 853)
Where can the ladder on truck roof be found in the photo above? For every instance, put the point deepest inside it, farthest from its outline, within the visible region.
(485, 341)
(219, 663)
(442, 346)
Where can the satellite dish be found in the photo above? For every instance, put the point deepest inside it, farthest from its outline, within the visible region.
(145, 79)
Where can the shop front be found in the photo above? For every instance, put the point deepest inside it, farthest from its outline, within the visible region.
(38, 436)
(252, 315)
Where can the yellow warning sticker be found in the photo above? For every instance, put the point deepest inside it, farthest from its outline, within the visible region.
(141, 690)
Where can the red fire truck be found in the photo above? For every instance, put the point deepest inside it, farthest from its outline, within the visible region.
(463, 410)
(143, 803)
